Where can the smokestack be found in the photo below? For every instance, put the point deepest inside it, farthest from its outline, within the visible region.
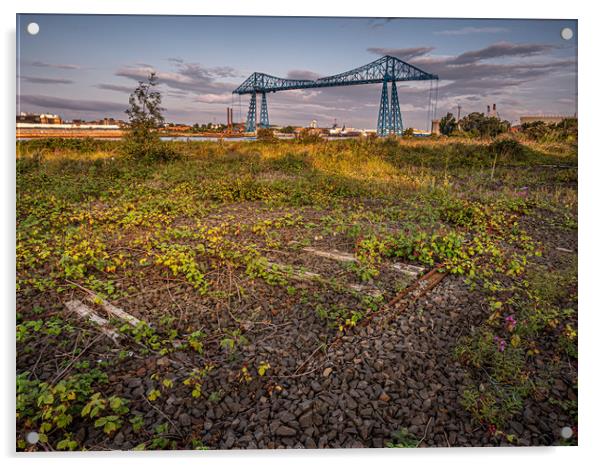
(232, 116)
(488, 110)
(228, 116)
(493, 108)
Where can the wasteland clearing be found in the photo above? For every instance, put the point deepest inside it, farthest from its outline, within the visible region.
(358, 293)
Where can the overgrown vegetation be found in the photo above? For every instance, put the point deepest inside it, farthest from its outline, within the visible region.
(200, 248)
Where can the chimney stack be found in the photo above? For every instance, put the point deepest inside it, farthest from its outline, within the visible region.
(488, 110)
(494, 108)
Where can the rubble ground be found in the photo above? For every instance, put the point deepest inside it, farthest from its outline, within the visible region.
(366, 293)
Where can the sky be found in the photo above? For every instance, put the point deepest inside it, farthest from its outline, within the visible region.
(85, 66)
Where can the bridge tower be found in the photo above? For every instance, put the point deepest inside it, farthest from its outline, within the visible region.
(395, 113)
(384, 121)
(251, 114)
(389, 114)
(264, 121)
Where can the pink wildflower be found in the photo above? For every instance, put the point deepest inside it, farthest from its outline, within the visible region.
(501, 343)
(510, 323)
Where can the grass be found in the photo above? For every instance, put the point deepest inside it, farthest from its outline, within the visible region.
(210, 224)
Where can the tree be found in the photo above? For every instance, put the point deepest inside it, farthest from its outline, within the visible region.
(448, 124)
(566, 130)
(477, 124)
(145, 117)
(408, 132)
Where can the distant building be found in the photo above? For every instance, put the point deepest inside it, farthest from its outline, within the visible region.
(50, 119)
(492, 112)
(28, 118)
(420, 132)
(106, 121)
(34, 118)
(44, 118)
(435, 127)
(548, 119)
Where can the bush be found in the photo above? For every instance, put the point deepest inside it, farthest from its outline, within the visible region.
(540, 131)
(150, 149)
(507, 149)
(308, 136)
(265, 135)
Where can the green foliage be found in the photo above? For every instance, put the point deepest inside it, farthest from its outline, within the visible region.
(233, 339)
(492, 407)
(508, 149)
(212, 225)
(52, 409)
(564, 131)
(339, 316)
(265, 135)
(142, 141)
(478, 124)
(403, 439)
(196, 379)
(195, 340)
(309, 136)
(448, 124)
(287, 130)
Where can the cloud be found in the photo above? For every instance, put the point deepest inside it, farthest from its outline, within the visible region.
(378, 23)
(501, 50)
(403, 54)
(214, 98)
(473, 72)
(302, 74)
(60, 103)
(471, 30)
(490, 74)
(38, 80)
(190, 77)
(61, 66)
(502, 72)
(473, 78)
(115, 87)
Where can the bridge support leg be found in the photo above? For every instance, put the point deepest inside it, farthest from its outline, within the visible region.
(251, 114)
(264, 121)
(396, 126)
(384, 121)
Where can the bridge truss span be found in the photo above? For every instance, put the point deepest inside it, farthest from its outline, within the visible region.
(387, 70)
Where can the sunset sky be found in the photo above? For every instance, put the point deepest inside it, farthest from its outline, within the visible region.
(85, 66)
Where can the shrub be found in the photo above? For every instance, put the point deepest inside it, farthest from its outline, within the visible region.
(408, 132)
(265, 134)
(149, 148)
(507, 149)
(308, 136)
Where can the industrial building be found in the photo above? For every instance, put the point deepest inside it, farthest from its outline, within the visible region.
(548, 119)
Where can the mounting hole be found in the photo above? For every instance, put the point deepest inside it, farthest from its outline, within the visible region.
(566, 33)
(33, 28)
(32, 437)
(566, 432)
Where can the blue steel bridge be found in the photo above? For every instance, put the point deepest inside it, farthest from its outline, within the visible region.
(385, 70)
